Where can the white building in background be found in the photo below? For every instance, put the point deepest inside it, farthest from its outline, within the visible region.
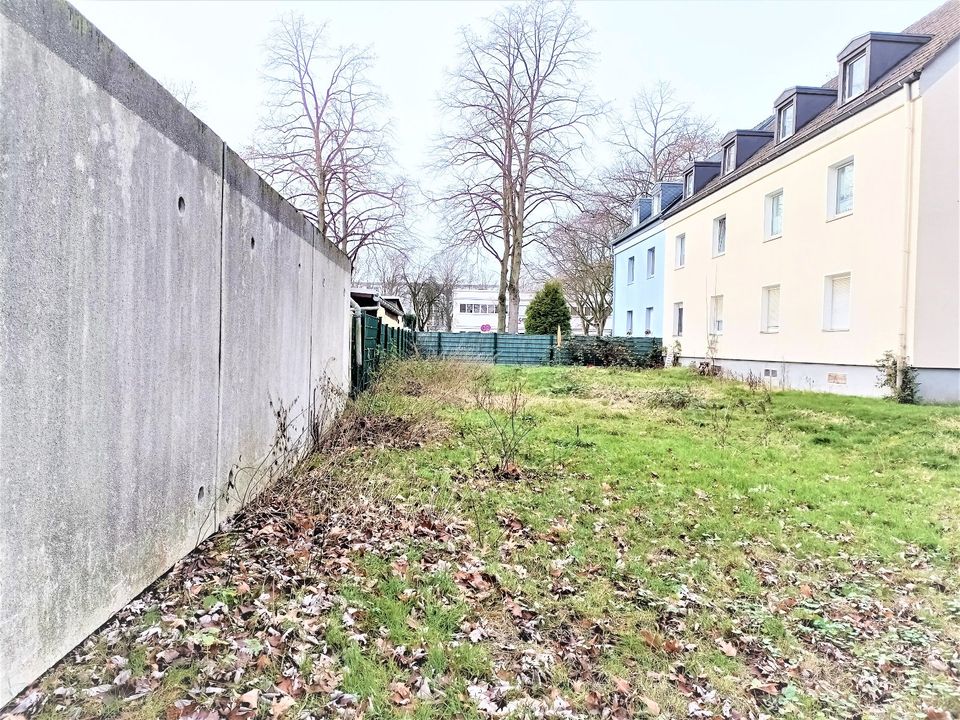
(475, 309)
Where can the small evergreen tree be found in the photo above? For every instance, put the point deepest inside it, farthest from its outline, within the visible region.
(547, 311)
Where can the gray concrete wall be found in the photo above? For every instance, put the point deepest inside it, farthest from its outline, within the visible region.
(144, 345)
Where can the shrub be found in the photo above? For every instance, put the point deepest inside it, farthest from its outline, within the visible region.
(609, 352)
(676, 398)
(547, 311)
(890, 367)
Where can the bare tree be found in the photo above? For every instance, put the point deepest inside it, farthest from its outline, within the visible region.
(422, 289)
(320, 142)
(186, 92)
(451, 272)
(578, 254)
(382, 268)
(520, 107)
(656, 140)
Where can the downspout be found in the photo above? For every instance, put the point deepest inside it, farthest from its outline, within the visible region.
(908, 98)
(358, 331)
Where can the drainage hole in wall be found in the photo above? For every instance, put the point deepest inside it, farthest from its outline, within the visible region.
(181, 204)
(200, 494)
(252, 243)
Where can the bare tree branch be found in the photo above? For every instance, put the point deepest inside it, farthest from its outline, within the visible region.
(320, 142)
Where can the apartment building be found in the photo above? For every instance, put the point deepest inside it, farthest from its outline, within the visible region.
(824, 236)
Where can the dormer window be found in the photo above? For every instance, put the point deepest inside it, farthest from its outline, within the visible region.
(636, 215)
(786, 120)
(729, 158)
(688, 184)
(855, 76)
(656, 204)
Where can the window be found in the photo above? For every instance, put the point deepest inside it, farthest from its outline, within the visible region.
(651, 262)
(629, 322)
(841, 189)
(786, 119)
(836, 302)
(636, 215)
(678, 319)
(729, 157)
(648, 320)
(720, 235)
(773, 215)
(463, 308)
(681, 252)
(855, 76)
(716, 314)
(476, 307)
(688, 184)
(656, 204)
(630, 269)
(770, 309)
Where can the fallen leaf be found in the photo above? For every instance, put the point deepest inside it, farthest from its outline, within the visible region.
(653, 708)
(728, 648)
(621, 686)
(280, 706)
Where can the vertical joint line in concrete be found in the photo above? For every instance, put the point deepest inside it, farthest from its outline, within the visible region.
(215, 495)
(313, 289)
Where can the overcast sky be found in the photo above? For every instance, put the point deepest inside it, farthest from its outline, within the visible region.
(730, 59)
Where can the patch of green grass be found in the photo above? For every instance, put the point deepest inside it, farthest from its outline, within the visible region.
(663, 483)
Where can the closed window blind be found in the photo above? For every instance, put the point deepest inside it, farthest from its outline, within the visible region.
(717, 313)
(771, 320)
(840, 303)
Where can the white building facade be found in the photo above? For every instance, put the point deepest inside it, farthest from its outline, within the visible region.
(830, 234)
(475, 310)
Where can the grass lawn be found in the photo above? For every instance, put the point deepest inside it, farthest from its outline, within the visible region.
(624, 544)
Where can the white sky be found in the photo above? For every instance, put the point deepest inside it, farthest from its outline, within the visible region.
(730, 59)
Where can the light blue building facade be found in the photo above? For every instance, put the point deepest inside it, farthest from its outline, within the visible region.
(639, 263)
(638, 284)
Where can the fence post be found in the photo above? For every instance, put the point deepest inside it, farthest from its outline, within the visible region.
(496, 342)
(439, 344)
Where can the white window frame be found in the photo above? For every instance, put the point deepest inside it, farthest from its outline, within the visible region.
(766, 326)
(678, 319)
(651, 262)
(729, 158)
(828, 302)
(688, 185)
(847, 94)
(680, 251)
(781, 113)
(833, 187)
(768, 232)
(716, 314)
(629, 328)
(648, 320)
(636, 216)
(717, 221)
(631, 269)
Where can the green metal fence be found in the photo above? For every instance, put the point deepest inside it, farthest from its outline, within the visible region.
(509, 349)
(372, 342)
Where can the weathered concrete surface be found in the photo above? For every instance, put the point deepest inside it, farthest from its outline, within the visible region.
(141, 338)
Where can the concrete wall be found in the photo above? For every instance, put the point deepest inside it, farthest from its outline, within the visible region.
(145, 343)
